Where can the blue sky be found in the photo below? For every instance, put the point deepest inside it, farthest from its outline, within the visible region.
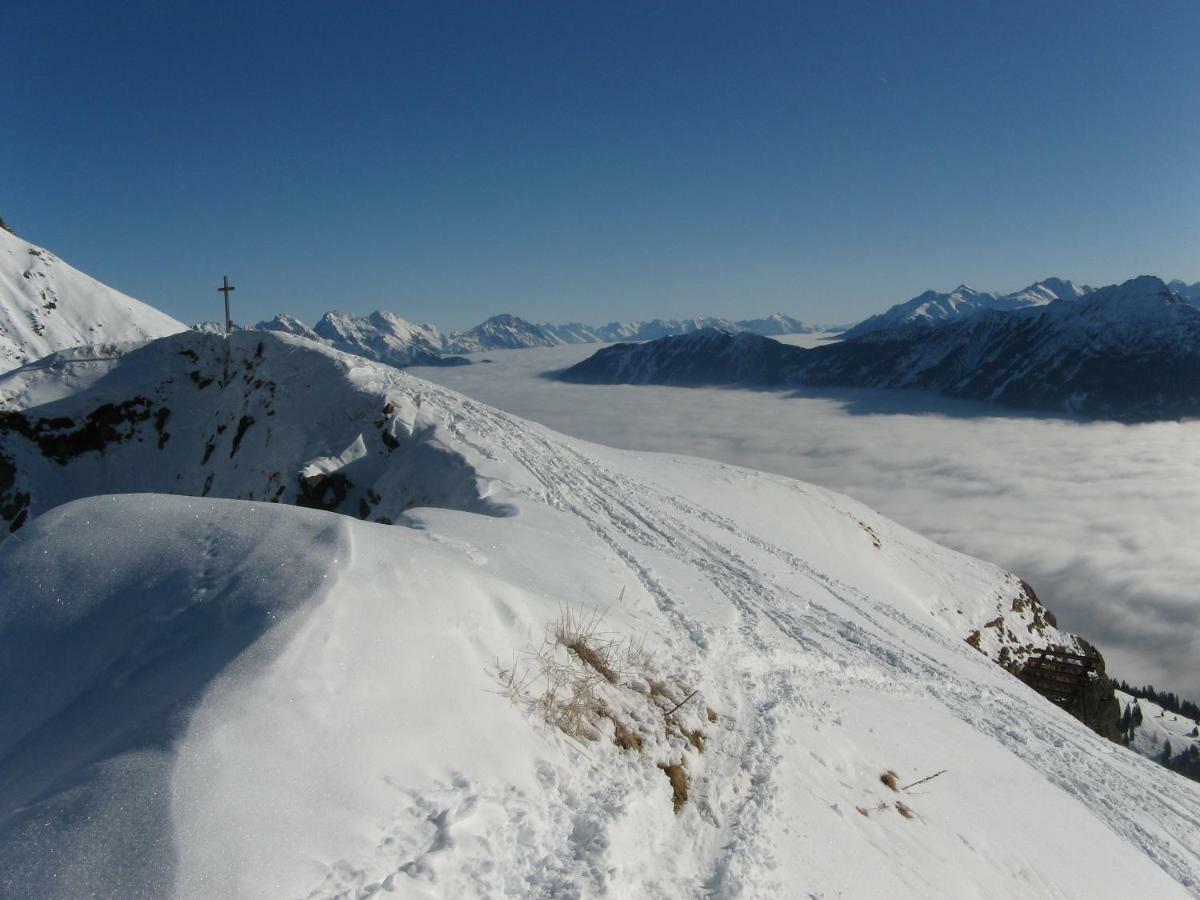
(598, 161)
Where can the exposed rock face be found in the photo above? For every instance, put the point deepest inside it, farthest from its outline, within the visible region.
(1022, 627)
(1098, 707)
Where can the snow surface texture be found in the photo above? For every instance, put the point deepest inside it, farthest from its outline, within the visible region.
(330, 722)
(45, 305)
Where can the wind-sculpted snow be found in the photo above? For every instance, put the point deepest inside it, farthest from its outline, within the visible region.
(364, 742)
(118, 615)
(45, 305)
(1129, 352)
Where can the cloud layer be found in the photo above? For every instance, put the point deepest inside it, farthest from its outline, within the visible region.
(1100, 517)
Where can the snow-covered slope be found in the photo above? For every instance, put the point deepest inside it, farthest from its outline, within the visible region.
(1129, 351)
(502, 332)
(932, 310)
(232, 697)
(1166, 737)
(45, 305)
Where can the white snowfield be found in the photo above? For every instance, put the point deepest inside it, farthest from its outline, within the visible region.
(235, 698)
(45, 306)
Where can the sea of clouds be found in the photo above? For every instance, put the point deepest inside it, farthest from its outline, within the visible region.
(1103, 519)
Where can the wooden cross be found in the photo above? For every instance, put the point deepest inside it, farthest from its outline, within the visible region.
(225, 288)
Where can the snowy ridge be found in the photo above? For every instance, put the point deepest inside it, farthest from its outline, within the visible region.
(1129, 351)
(45, 305)
(330, 722)
(932, 310)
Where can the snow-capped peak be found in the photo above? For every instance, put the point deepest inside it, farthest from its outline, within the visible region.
(500, 332)
(383, 336)
(288, 325)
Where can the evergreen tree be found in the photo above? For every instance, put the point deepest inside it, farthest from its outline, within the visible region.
(1126, 717)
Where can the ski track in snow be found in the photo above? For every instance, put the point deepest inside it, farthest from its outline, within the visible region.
(634, 517)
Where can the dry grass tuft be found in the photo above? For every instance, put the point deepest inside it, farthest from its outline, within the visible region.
(579, 675)
(677, 775)
(890, 779)
(658, 689)
(626, 738)
(904, 810)
(558, 694)
(711, 713)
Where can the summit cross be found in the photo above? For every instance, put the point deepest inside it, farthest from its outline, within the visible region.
(225, 288)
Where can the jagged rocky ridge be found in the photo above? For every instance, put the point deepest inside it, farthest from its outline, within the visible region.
(1129, 351)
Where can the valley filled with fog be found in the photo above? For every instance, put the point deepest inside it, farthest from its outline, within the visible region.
(1098, 516)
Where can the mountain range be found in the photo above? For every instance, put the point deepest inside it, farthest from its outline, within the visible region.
(931, 309)
(576, 333)
(1129, 351)
(385, 337)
